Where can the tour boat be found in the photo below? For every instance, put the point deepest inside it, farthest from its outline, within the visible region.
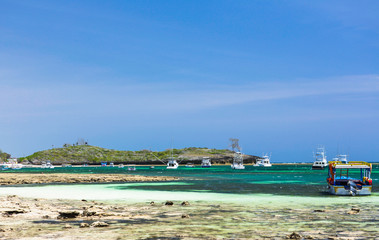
(206, 162)
(238, 161)
(353, 178)
(264, 161)
(320, 159)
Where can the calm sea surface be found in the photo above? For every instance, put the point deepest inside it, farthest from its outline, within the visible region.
(290, 180)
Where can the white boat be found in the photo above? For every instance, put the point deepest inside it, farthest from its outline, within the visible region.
(121, 166)
(353, 178)
(238, 161)
(190, 165)
(264, 161)
(11, 164)
(172, 164)
(131, 168)
(47, 164)
(206, 162)
(320, 161)
(341, 158)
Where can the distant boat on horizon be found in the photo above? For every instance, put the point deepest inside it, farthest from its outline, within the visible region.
(341, 158)
(206, 162)
(263, 161)
(238, 161)
(320, 161)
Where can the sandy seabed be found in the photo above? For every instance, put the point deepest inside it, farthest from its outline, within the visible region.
(25, 218)
(39, 178)
(168, 215)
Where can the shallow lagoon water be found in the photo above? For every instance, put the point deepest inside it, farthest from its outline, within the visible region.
(280, 184)
(257, 203)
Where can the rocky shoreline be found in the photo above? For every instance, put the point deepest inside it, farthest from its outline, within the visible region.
(43, 178)
(25, 218)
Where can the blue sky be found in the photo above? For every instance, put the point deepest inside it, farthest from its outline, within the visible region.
(282, 76)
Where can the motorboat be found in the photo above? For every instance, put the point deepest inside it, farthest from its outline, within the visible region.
(190, 165)
(238, 161)
(206, 162)
(349, 179)
(320, 161)
(263, 161)
(11, 164)
(172, 164)
(47, 164)
(131, 168)
(121, 166)
(342, 158)
(111, 164)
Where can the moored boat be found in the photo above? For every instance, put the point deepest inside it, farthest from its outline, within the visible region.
(350, 179)
(341, 157)
(47, 164)
(238, 161)
(264, 161)
(11, 164)
(172, 164)
(131, 168)
(190, 165)
(206, 162)
(320, 161)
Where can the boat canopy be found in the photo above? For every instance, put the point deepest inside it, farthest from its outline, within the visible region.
(351, 165)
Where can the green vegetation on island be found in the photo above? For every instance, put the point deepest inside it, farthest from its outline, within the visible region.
(86, 154)
(4, 156)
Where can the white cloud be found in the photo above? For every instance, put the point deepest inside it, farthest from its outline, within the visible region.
(164, 98)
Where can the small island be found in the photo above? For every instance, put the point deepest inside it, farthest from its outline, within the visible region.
(93, 155)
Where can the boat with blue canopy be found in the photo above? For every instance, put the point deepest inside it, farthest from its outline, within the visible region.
(349, 179)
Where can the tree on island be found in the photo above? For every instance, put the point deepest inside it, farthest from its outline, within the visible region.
(4, 156)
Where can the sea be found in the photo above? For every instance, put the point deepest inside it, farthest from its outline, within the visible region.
(279, 184)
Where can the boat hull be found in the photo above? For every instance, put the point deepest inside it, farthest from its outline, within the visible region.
(262, 165)
(318, 167)
(342, 191)
(238, 167)
(174, 167)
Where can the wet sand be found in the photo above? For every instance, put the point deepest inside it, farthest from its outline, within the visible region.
(40, 178)
(28, 218)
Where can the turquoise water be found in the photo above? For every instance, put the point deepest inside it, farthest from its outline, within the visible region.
(289, 180)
